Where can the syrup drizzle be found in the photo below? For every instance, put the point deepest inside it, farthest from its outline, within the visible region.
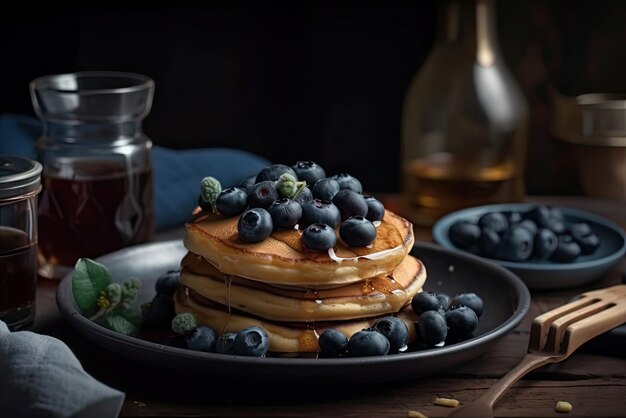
(228, 281)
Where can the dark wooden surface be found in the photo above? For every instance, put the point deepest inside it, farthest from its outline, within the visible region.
(594, 384)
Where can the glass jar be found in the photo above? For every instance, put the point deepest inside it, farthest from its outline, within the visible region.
(464, 121)
(97, 176)
(19, 185)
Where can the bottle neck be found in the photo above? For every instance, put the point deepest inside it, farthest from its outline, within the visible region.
(93, 133)
(470, 27)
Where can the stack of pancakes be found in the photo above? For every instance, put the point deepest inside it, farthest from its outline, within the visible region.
(292, 292)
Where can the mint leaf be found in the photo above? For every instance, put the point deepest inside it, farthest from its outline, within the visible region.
(124, 321)
(88, 280)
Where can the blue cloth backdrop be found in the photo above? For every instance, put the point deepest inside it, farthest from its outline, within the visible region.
(177, 173)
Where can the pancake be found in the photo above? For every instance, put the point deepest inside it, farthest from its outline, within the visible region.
(282, 260)
(284, 337)
(383, 294)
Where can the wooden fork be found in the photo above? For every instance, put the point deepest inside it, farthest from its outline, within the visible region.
(554, 336)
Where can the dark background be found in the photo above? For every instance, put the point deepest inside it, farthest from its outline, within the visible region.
(312, 80)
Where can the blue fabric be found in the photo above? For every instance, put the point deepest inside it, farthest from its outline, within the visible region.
(177, 173)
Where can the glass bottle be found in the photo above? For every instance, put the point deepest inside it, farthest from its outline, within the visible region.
(19, 185)
(464, 121)
(97, 176)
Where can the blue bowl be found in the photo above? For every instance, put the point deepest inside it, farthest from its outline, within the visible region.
(544, 274)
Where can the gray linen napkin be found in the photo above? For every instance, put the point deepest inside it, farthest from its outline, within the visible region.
(41, 377)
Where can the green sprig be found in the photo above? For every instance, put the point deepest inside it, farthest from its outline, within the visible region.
(102, 300)
(184, 323)
(210, 189)
(288, 186)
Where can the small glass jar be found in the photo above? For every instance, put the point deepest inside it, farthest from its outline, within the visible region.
(19, 185)
(97, 175)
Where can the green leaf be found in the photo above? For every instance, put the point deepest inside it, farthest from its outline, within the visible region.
(124, 321)
(89, 279)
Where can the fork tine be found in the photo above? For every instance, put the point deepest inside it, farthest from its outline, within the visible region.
(541, 323)
(559, 326)
(582, 331)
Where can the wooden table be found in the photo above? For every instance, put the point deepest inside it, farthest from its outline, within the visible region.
(594, 384)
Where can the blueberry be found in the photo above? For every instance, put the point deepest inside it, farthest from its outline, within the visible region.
(325, 189)
(464, 234)
(539, 214)
(585, 238)
(462, 321)
(251, 341)
(529, 225)
(494, 220)
(489, 243)
(346, 181)
(285, 213)
(273, 172)
(546, 242)
(159, 313)
(425, 301)
(205, 206)
(224, 344)
(357, 231)
(308, 171)
(333, 343)
(201, 339)
(375, 209)
(350, 204)
(517, 244)
(580, 230)
(232, 201)
(255, 225)
(396, 332)
(368, 342)
(588, 244)
(319, 237)
(471, 300)
(305, 196)
(263, 194)
(432, 328)
(444, 300)
(168, 283)
(318, 211)
(513, 217)
(556, 225)
(556, 213)
(566, 250)
(247, 183)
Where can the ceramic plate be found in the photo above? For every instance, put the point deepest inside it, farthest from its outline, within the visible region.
(548, 274)
(506, 302)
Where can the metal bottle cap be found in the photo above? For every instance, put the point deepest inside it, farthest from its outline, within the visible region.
(18, 176)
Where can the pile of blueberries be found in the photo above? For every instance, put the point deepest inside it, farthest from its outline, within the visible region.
(160, 314)
(541, 233)
(441, 319)
(319, 205)
(251, 341)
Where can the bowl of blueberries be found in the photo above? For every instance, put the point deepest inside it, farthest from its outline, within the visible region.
(547, 247)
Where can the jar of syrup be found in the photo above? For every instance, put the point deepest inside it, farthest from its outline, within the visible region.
(19, 185)
(97, 177)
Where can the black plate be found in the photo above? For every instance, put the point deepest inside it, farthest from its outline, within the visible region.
(545, 274)
(506, 302)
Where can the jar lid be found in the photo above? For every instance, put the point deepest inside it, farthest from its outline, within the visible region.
(18, 176)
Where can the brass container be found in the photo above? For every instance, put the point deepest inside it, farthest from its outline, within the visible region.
(595, 126)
